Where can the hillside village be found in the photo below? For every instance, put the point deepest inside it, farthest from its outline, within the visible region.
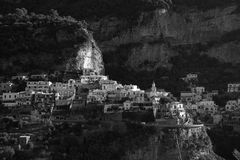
(30, 103)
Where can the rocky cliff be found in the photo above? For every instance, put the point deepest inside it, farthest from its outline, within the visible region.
(173, 144)
(37, 42)
(145, 40)
(158, 34)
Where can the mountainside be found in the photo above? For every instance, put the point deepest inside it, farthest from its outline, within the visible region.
(32, 42)
(145, 40)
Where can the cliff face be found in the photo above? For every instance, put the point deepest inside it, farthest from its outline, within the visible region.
(36, 42)
(161, 32)
(145, 40)
(193, 144)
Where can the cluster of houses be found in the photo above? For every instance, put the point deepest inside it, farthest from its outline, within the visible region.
(198, 99)
(58, 100)
(201, 101)
(43, 101)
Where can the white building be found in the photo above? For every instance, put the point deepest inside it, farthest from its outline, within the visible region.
(131, 87)
(39, 76)
(139, 96)
(135, 93)
(10, 99)
(90, 76)
(207, 106)
(127, 105)
(38, 86)
(234, 87)
(191, 106)
(65, 90)
(108, 85)
(96, 96)
(177, 109)
(198, 90)
(20, 77)
(191, 76)
(25, 98)
(187, 96)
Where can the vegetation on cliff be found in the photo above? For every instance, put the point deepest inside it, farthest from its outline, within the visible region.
(203, 4)
(37, 42)
(91, 142)
(88, 9)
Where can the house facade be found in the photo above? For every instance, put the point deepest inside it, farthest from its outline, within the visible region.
(10, 99)
(38, 86)
(65, 90)
(234, 87)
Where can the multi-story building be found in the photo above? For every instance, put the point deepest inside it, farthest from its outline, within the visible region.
(10, 99)
(39, 77)
(88, 79)
(191, 76)
(96, 96)
(127, 105)
(25, 98)
(108, 85)
(89, 76)
(177, 109)
(138, 96)
(134, 93)
(20, 77)
(234, 87)
(65, 90)
(198, 90)
(189, 97)
(131, 87)
(207, 106)
(38, 86)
